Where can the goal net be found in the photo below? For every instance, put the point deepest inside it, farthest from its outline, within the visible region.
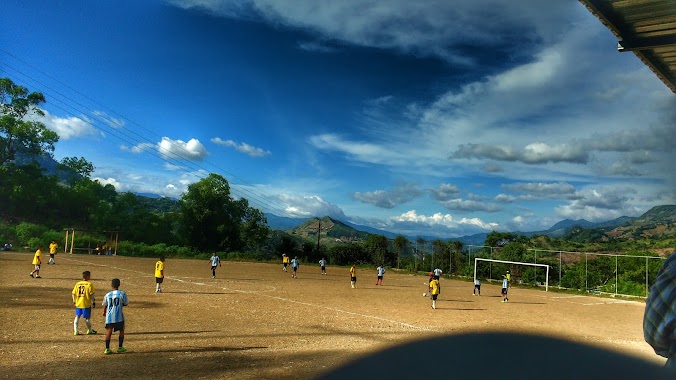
(477, 259)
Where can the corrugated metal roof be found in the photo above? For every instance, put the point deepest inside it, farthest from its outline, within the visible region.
(646, 27)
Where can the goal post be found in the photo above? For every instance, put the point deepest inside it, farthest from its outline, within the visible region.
(477, 259)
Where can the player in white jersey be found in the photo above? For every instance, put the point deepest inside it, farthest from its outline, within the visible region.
(322, 263)
(113, 302)
(381, 272)
(437, 273)
(477, 287)
(215, 262)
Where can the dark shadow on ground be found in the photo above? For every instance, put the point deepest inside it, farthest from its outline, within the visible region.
(170, 332)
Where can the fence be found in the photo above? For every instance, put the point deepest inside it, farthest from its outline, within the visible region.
(627, 275)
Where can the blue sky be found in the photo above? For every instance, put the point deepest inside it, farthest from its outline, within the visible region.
(438, 118)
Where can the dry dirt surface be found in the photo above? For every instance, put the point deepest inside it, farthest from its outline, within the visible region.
(253, 321)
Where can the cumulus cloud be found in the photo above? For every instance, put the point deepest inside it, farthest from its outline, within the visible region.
(67, 127)
(534, 153)
(600, 203)
(308, 206)
(251, 151)
(445, 191)
(557, 190)
(466, 205)
(120, 187)
(192, 150)
(358, 150)
(439, 219)
(389, 199)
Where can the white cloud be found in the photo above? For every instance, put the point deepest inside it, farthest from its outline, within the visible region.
(67, 127)
(296, 205)
(557, 190)
(251, 151)
(446, 220)
(192, 150)
(389, 199)
(140, 148)
(534, 153)
(464, 205)
(109, 120)
(445, 191)
(119, 187)
(600, 203)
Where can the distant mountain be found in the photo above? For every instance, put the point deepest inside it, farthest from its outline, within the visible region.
(371, 230)
(658, 222)
(283, 223)
(329, 230)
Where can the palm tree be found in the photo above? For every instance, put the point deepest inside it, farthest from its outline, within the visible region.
(457, 248)
(420, 242)
(399, 243)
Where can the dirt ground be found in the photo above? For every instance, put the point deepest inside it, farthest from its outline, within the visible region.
(254, 321)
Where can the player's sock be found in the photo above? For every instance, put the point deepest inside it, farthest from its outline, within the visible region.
(107, 344)
(120, 340)
(75, 323)
(88, 322)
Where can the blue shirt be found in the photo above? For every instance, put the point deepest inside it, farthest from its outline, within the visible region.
(659, 321)
(113, 302)
(381, 270)
(505, 283)
(322, 262)
(215, 260)
(294, 263)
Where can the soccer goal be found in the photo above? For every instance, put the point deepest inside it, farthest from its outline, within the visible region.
(477, 259)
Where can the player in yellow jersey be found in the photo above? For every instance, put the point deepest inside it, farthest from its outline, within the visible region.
(52, 251)
(353, 276)
(37, 261)
(159, 275)
(285, 261)
(435, 290)
(83, 300)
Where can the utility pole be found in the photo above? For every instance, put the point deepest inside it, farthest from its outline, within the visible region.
(319, 234)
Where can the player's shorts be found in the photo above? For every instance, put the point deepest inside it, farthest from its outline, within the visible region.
(477, 287)
(159, 280)
(37, 266)
(117, 326)
(286, 265)
(295, 269)
(436, 277)
(85, 312)
(323, 268)
(380, 277)
(213, 267)
(51, 255)
(353, 279)
(434, 297)
(504, 291)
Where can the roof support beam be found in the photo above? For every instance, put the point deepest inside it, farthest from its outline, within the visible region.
(646, 43)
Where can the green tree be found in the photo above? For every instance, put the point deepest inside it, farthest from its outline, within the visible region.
(254, 230)
(76, 168)
(18, 135)
(400, 242)
(376, 246)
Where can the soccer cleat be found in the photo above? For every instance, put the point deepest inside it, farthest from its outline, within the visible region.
(38, 277)
(30, 274)
(108, 351)
(121, 350)
(91, 332)
(76, 333)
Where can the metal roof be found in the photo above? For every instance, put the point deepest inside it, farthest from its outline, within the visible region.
(646, 27)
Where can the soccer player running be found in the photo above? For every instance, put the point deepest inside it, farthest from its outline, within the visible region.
(322, 264)
(37, 261)
(159, 274)
(353, 276)
(52, 251)
(113, 302)
(294, 266)
(505, 285)
(83, 300)
(215, 261)
(381, 272)
(435, 290)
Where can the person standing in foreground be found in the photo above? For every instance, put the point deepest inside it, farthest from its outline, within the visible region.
(112, 311)
(659, 320)
(159, 274)
(285, 262)
(353, 276)
(381, 272)
(322, 263)
(52, 252)
(505, 285)
(294, 266)
(37, 261)
(477, 287)
(83, 300)
(215, 261)
(435, 290)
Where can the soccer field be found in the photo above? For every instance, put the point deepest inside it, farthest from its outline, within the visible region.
(254, 321)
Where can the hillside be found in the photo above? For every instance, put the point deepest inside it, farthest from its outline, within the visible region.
(331, 231)
(659, 222)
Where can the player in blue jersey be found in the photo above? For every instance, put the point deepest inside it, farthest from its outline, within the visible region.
(112, 311)
(294, 266)
(215, 262)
